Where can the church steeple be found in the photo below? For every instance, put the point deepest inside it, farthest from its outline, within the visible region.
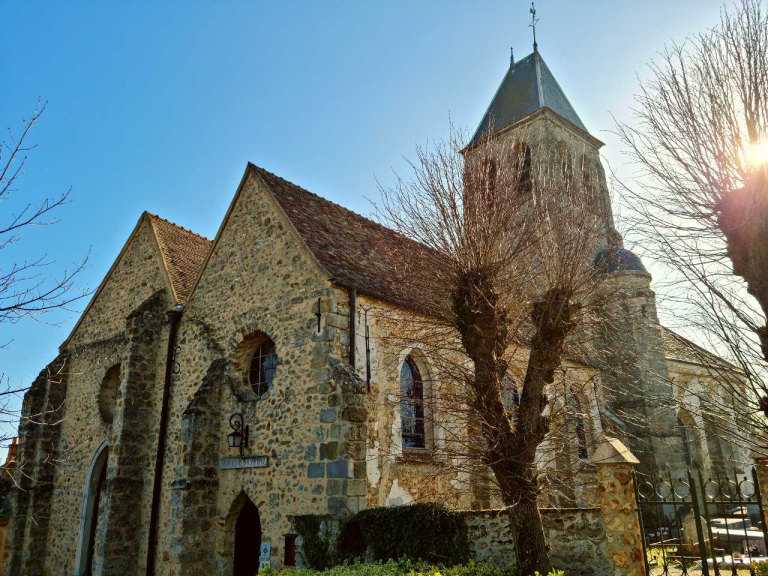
(527, 87)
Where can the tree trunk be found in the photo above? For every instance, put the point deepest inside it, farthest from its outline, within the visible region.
(743, 219)
(531, 550)
(510, 449)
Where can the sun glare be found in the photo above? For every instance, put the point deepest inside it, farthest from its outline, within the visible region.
(758, 153)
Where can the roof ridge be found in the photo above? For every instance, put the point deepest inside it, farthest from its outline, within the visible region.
(152, 215)
(539, 91)
(332, 203)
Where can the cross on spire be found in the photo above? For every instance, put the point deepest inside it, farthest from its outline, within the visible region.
(534, 20)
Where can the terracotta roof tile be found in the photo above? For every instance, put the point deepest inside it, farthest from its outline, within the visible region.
(184, 253)
(358, 252)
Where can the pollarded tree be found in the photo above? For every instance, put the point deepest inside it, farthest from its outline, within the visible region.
(507, 266)
(699, 140)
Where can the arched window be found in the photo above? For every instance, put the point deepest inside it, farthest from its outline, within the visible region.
(263, 367)
(522, 160)
(412, 405)
(581, 437)
(586, 176)
(580, 427)
(686, 441)
(510, 396)
(489, 178)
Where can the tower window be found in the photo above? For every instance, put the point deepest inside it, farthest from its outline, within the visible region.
(489, 178)
(586, 176)
(412, 405)
(263, 367)
(523, 173)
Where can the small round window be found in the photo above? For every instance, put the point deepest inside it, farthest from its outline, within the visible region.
(263, 367)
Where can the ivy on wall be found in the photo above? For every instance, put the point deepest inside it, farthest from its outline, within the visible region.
(428, 532)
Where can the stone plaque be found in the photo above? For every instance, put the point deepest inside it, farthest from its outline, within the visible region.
(247, 462)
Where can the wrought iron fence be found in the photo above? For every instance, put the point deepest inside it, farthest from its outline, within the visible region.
(691, 525)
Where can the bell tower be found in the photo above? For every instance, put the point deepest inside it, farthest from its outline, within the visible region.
(530, 109)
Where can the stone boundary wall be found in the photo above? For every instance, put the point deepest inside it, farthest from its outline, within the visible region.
(576, 537)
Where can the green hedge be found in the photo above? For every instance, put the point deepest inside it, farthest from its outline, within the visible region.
(427, 532)
(405, 567)
(409, 568)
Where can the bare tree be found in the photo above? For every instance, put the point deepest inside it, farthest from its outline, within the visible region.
(24, 290)
(28, 290)
(505, 278)
(699, 141)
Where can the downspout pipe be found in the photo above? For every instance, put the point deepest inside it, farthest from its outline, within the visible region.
(174, 317)
(352, 325)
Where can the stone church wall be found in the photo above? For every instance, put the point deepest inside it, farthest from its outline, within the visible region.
(99, 342)
(260, 282)
(438, 474)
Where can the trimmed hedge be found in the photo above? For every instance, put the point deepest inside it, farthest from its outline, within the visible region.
(427, 532)
(404, 567)
(409, 568)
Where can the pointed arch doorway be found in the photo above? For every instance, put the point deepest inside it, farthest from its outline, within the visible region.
(247, 540)
(93, 492)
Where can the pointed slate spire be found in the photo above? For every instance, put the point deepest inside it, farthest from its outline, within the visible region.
(528, 86)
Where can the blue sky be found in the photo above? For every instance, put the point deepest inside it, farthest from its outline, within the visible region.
(158, 106)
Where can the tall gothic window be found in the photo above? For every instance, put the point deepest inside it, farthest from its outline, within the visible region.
(580, 427)
(684, 435)
(263, 367)
(581, 437)
(489, 179)
(522, 159)
(510, 396)
(412, 405)
(586, 177)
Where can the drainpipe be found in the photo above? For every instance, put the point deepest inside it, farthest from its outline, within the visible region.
(174, 316)
(352, 323)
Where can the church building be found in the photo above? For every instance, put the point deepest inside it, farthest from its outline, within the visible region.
(212, 389)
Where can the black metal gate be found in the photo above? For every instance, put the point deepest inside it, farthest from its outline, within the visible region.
(693, 526)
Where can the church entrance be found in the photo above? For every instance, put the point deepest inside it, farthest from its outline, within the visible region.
(93, 501)
(247, 540)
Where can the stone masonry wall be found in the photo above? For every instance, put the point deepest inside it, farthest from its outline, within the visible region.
(100, 341)
(138, 275)
(437, 474)
(576, 537)
(260, 282)
(39, 450)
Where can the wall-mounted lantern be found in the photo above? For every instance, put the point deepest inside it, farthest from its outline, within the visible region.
(238, 438)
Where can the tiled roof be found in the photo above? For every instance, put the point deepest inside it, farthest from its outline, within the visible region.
(184, 253)
(528, 86)
(679, 348)
(360, 253)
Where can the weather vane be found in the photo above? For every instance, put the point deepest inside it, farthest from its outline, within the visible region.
(533, 24)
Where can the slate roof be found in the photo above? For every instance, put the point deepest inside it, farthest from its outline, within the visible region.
(184, 254)
(358, 252)
(679, 348)
(618, 260)
(528, 86)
